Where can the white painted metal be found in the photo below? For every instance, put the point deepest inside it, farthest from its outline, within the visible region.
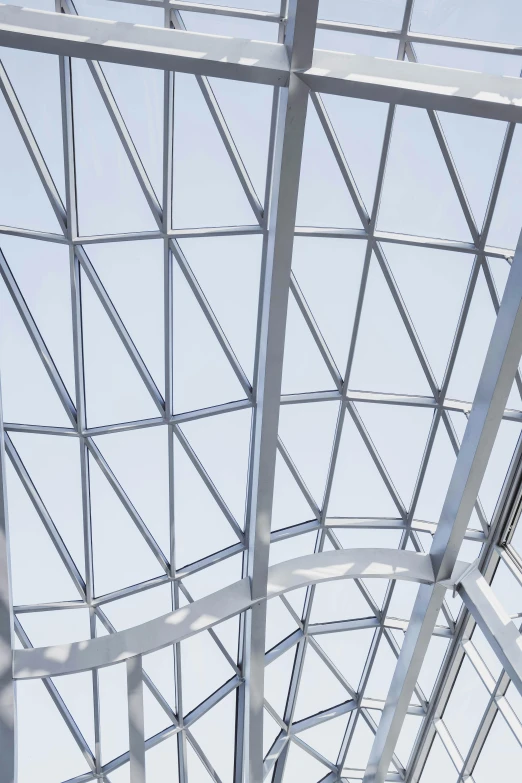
(496, 380)
(494, 622)
(391, 81)
(8, 748)
(223, 604)
(295, 69)
(136, 719)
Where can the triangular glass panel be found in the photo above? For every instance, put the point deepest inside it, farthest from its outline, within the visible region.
(500, 268)
(474, 344)
(203, 375)
(307, 431)
(381, 672)
(114, 390)
(408, 733)
(466, 706)
(139, 95)
(132, 274)
(358, 489)
(151, 16)
(359, 126)
(139, 460)
(207, 437)
(155, 718)
(368, 537)
(433, 284)
(360, 746)
(214, 577)
(304, 368)
(55, 749)
(250, 127)
(204, 669)
(385, 359)
(492, 24)
(327, 737)
(139, 607)
(53, 463)
(353, 43)
(296, 599)
(228, 634)
(399, 434)
(28, 396)
(466, 59)
(159, 666)
(35, 78)
(214, 732)
(498, 464)
(161, 757)
(110, 526)
(506, 222)
(62, 626)
(102, 167)
(32, 551)
(122, 774)
(377, 589)
(201, 527)
(295, 546)
(476, 163)
(23, 200)
(324, 199)
(431, 664)
(437, 477)
(228, 270)
(418, 195)
(279, 623)
(277, 681)
(289, 505)
(402, 600)
(338, 600)
(439, 765)
(302, 766)
(271, 730)
(329, 272)
(348, 650)
(77, 692)
(41, 271)
(362, 13)
(207, 191)
(197, 771)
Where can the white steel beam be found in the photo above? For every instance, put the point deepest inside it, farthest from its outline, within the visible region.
(495, 383)
(494, 622)
(372, 78)
(413, 84)
(204, 613)
(148, 47)
(7, 686)
(136, 719)
(290, 107)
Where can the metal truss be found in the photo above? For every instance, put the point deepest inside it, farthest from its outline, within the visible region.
(299, 76)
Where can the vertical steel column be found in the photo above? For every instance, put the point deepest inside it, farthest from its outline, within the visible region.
(495, 383)
(8, 760)
(284, 186)
(136, 719)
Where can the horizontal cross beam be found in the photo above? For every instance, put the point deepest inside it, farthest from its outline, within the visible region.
(220, 606)
(339, 73)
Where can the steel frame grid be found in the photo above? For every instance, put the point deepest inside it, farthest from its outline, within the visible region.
(249, 715)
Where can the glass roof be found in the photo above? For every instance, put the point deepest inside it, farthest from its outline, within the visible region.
(129, 360)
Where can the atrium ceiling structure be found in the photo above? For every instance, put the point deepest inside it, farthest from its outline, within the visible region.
(260, 337)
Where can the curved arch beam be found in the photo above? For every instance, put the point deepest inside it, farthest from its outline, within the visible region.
(221, 605)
